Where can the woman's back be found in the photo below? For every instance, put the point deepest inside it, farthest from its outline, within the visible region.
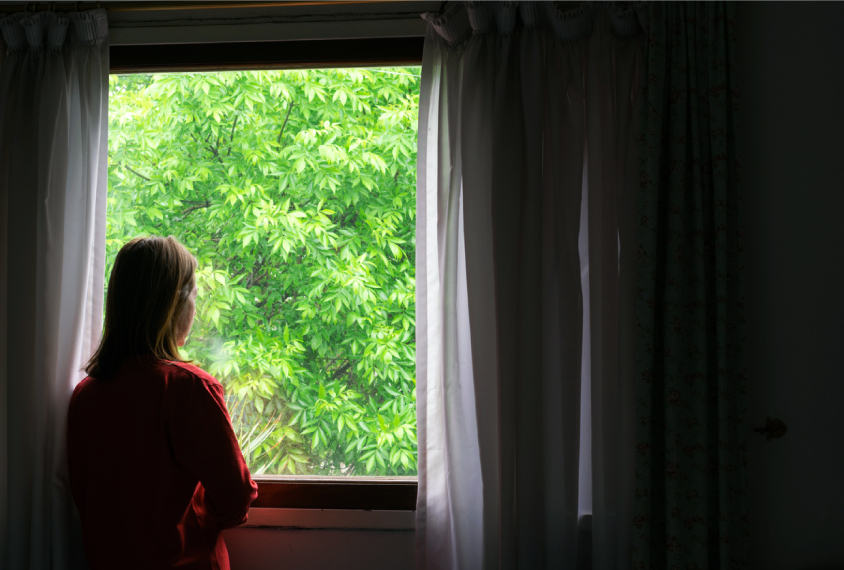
(155, 468)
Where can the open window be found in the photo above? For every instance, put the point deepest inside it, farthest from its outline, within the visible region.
(288, 169)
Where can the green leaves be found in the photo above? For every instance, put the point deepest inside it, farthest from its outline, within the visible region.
(295, 190)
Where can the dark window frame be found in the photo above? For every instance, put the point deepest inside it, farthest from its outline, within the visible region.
(299, 54)
(353, 493)
(291, 492)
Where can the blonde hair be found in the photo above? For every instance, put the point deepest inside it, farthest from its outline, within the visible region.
(148, 290)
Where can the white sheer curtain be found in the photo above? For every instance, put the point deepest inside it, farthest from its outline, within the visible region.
(526, 287)
(53, 139)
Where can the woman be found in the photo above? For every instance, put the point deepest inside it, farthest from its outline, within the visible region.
(155, 468)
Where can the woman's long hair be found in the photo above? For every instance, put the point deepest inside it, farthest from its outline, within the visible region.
(148, 290)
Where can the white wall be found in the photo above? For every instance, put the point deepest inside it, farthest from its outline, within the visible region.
(791, 80)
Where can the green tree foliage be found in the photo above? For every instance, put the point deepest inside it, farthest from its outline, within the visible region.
(296, 192)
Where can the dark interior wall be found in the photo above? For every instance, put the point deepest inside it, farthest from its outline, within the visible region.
(268, 549)
(791, 81)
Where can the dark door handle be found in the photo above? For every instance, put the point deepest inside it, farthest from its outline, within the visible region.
(773, 428)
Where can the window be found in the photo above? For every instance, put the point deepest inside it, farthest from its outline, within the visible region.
(296, 191)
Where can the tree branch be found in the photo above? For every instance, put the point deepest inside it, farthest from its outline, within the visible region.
(215, 153)
(254, 276)
(342, 370)
(206, 204)
(231, 138)
(284, 124)
(136, 173)
(219, 136)
(258, 279)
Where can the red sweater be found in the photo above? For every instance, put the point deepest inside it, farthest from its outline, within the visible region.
(155, 468)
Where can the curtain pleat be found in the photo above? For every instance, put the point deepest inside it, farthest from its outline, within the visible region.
(53, 140)
(691, 461)
(612, 112)
(519, 97)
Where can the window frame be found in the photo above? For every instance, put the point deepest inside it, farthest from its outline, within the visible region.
(290, 491)
(294, 54)
(353, 493)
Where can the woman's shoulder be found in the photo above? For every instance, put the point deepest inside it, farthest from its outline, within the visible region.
(83, 386)
(190, 373)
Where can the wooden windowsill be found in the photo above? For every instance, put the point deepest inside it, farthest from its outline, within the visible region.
(352, 493)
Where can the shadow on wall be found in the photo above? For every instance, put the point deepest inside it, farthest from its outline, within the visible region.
(272, 549)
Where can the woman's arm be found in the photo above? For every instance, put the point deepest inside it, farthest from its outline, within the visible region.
(204, 443)
(75, 452)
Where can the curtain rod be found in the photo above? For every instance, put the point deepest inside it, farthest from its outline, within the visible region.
(160, 6)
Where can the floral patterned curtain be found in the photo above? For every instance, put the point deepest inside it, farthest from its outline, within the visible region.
(691, 464)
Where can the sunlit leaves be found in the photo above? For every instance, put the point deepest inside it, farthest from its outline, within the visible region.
(296, 192)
